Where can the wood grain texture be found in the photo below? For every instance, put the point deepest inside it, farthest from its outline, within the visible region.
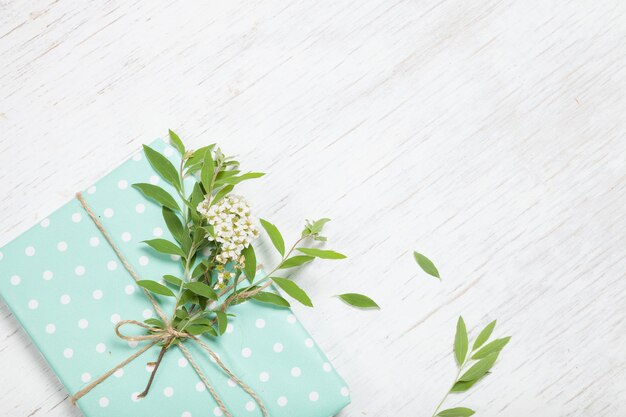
(489, 135)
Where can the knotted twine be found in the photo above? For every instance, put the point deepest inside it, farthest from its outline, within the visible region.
(165, 335)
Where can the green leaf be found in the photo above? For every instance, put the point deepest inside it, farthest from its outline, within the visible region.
(250, 265)
(314, 228)
(271, 298)
(172, 280)
(158, 194)
(495, 346)
(207, 172)
(460, 342)
(175, 140)
(181, 313)
(200, 329)
(296, 261)
(165, 246)
(222, 193)
(426, 265)
(201, 289)
(222, 321)
(173, 223)
(359, 300)
(155, 287)
(154, 323)
(200, 269)
(456, 412)
(322, 253)
(275, 236)
(293, 290)
(462, 386)
(480, 368)
(163, 166)
(237, 180)
(483, 336)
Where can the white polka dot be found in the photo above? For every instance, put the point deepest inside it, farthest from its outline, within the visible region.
(140, 208)
(51, 328)
(94, 241)
(231, 383)
(175, 257)
(185, 414)
(68, 353)
(345, 391)
(65, 299)
(135, 397)
(79, 270)
(83, 323)
(291, 319)
(295, 371)
(108, 213)
(45, 223)
(133, 344)
(326, 367)
(47, 275)
(61, 246)
(308, 343)
(101, 347)
(157, 232)
(143, 260)
(97, 294)
(1, 256)
(282, 401)
(15, 280)
(168, 391)
(154, 180)
(314, 396)
(230, 328)
(33, 304)
(104, 402)
(168, 151)
(126, 236)
(122, 184)
(115, 318)
(86, 377)
(119, 373)
(264, 377)
(217, 412)
(278, 347)
(206, 251)
(111, 265)
(182, 362)
(200, 387)
(213, 359)
(129, 289)
(91, 189)
(150, 367)
(29, 251)
(260, 323)
(250, 406)
(76, 217)
(147, 313)
(246, 352)
(137, 157)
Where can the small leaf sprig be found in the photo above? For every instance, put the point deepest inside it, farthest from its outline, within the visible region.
(479, 360)
(213, 232)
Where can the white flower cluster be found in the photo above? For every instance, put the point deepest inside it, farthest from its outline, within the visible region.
(233, 225)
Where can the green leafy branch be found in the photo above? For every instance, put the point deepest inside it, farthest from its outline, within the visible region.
(472, 365)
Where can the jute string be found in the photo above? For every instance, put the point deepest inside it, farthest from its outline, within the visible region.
(155, 336)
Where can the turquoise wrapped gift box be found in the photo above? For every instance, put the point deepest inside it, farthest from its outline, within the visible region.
(67, 287)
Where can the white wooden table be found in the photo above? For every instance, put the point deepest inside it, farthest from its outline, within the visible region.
(490, 135)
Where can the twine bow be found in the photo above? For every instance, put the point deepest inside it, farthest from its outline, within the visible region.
(165, 336)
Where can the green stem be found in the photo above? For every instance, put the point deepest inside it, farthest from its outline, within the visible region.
(456, 379)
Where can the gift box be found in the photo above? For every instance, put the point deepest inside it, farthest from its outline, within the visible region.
(68, 288)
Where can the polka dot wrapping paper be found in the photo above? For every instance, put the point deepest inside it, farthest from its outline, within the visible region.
(66, 286)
